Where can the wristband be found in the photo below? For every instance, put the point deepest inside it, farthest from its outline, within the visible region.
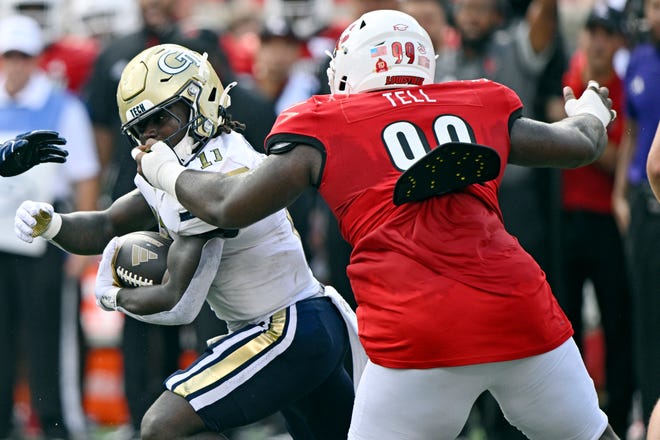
(53, 227)
(591, 103)
(167, 175)
(161, 167)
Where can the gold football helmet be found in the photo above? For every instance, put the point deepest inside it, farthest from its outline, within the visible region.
(163, 75)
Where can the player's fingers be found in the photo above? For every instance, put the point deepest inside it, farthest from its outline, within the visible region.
(41, 136)
(23, 231)
(25, 218)
(52, 150)
(137, 153)
(52, 159)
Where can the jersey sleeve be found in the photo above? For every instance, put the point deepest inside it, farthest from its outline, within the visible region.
(506, 101)
(298, 124)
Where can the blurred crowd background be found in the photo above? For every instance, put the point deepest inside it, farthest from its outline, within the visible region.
(70, 370)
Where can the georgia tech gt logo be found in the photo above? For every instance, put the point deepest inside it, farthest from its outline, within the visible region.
(175, 61)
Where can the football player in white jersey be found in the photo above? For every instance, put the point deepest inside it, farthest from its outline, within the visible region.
(288, 332)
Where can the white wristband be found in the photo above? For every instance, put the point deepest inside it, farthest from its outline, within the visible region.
(53, 227)
(167, 175)
(161, 167)
(109, 299)
(590, 102)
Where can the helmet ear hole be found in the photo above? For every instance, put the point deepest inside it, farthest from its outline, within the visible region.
(342, 83)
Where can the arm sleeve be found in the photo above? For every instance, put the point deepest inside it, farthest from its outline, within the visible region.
(192, 300)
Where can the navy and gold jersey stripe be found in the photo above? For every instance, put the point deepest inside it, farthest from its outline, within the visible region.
(232, 360)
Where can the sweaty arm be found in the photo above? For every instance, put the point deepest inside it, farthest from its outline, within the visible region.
(569, 143)
(83, 232)
(87, 232)
(193, 263)
(574, 141)
(238, 200)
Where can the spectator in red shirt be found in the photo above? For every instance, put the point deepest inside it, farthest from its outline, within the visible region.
(592, 247)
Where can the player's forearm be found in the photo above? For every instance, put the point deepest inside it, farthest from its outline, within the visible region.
(84, 232)
(238, 201)
(178, 300)
(588, 136)
(148, 300)
(569, 143)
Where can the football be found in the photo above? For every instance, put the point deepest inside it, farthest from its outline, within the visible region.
(141, 259)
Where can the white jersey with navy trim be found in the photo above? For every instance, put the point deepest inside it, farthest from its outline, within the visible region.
(249, 286)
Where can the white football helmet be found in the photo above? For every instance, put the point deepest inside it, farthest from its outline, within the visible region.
(381, 50)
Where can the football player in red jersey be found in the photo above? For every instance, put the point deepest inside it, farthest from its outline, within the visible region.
(449, 304)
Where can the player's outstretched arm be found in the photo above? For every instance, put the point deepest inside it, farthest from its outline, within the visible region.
(574, 141)
(83, 232)
(29, 149)
(653, 164)
(232, 201)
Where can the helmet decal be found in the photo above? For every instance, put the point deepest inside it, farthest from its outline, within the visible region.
(139, 109)
(180, 61)
(378, 51)
(382, 49)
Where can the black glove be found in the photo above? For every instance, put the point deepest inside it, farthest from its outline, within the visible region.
(29, 149)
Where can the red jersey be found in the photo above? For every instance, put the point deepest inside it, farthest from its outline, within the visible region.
(589, 188)
(440, 282)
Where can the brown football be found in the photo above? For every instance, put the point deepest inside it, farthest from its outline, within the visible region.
(141, 260)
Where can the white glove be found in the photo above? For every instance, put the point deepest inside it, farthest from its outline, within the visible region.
(590, 102)
(161, 167)
(105, 288)
(34, 219)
